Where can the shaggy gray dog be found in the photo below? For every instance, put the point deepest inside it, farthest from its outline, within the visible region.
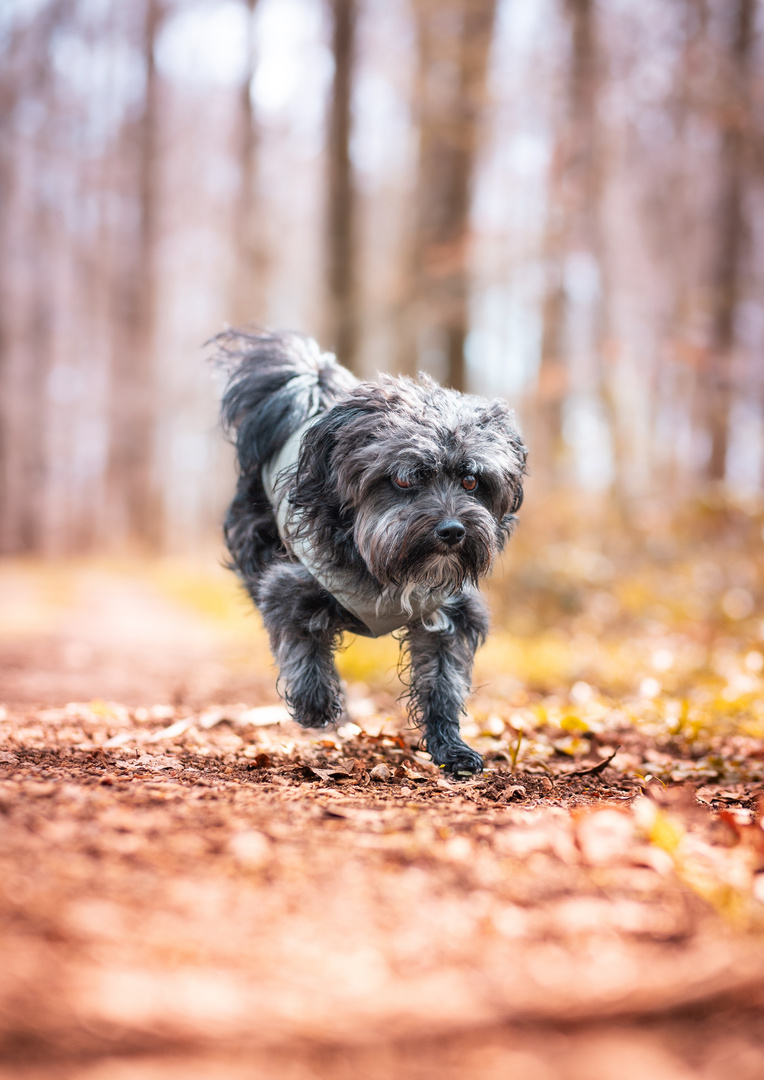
(366, 507)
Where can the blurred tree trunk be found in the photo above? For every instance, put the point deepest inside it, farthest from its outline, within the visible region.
(38, 349)
(248, 299)
(548, 447)
(454, 39)
(26, 335)
(730, 235)
(574, 246)
(131, 481)
(7, 106)
(573, 228)
(342, 209)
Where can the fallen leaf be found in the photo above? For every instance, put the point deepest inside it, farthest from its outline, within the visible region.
(263, 716)
(171, 732)
(330, 772)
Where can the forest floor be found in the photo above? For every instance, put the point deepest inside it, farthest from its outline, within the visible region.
(192, 886)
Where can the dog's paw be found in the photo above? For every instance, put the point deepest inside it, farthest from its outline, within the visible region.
(460, 760)
(466, 763)
(316, 715)
(313, 722)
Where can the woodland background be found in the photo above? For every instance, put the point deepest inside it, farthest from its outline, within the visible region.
(560, 202)
(556, 201)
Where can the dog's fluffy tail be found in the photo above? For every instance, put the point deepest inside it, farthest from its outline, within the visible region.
(275, 383)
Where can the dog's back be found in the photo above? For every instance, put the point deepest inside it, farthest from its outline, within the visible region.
(276, 382)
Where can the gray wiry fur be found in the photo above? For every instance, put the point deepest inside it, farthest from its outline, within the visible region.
(345, 498)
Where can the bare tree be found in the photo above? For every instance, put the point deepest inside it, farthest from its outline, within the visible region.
(726, 281)
(33, 385)
(131, 481)
(342, 208)
(454, 38)
(553, 370)
(249, 273)
(26, 334)
(8, 93)
(573, 228)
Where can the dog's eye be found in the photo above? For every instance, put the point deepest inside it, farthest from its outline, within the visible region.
(401, 483)
(469, 483)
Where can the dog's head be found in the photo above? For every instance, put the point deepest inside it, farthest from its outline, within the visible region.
(419, 482)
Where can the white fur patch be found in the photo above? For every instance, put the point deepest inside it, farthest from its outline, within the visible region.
(438, 622)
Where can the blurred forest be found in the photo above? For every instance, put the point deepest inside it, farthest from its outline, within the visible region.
(559, 202)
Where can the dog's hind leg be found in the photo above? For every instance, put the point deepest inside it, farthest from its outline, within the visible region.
(441, 673)
(304, 623)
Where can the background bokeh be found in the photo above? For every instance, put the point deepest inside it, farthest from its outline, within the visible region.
(558, 202)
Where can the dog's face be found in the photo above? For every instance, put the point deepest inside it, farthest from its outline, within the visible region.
(421, 482)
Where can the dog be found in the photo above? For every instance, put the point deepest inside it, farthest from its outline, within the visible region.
(366, 507)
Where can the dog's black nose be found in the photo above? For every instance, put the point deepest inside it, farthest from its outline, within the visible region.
(450, 531)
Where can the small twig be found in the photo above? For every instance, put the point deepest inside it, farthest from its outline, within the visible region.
(516, 749)
(595, 770)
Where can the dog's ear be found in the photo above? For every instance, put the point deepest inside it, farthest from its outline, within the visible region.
(318, 465)
(312, 482)
(498, 418)
(316, 493)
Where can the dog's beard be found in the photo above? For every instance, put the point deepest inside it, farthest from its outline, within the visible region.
(400, 548)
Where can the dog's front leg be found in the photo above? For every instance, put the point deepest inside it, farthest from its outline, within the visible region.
(441, 673)
(303, 623)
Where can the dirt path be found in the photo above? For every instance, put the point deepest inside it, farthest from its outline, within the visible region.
(194, 887)
(80, 632)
